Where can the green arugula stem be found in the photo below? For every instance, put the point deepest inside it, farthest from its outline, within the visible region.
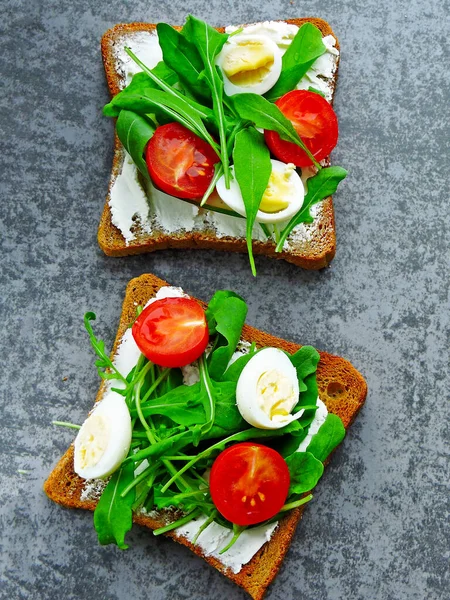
(189, 517)
(237, 532)
(210, 408)
(65, 424)
(180, 457)
(99, 350)
(265, 230)
(173, 92)
(218, 172)
(276, 232)
(206, 524)
(296, 503)
(287, 230)
(163, 375)
(143, 495)
(146, 473)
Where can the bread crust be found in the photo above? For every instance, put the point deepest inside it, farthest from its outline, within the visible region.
(316, 254)
(341, 387)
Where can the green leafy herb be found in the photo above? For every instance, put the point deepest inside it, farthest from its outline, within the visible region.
(226, 314)
(105, 367)
(252, 168)
(266, 115)
(305, 471)
(209, 43)
(113, 515)
(330, 435)
(134, 131)
(322, 185)
(182, 405)
(183, 57)
(303, 51)
(178, 109)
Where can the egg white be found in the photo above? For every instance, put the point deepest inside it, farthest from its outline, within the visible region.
(113, 415)
(269, 79)
(247, 399)
(233, 196)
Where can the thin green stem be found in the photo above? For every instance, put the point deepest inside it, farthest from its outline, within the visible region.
(145, 473)
(237, 532)
(65, 424)
(155, 384)
(206, 524)
(300, 502)
(189, 517)
(218, 172)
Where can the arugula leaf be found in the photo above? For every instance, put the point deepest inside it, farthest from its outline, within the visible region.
(134, 131)
(209, 43)
(180, 110)
(227, 415)
(252, 168)
(185, 405)
(141, 84)
(330, 435)
(235, 369)
(322, 185)
(183, 57)
(113, 514)
(214, 305)
(105, 367)
(228, 317)
(182, 405)
(303, 51)
(266, 115)
(305, 471)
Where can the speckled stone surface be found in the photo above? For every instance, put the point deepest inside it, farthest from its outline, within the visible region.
(378, 525)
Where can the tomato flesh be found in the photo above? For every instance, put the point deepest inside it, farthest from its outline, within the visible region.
(249, 483)
(171, 332)
(314, 120)
(179, 162)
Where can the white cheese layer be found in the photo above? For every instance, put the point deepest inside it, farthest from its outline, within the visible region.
(159, 212)
(215, 537)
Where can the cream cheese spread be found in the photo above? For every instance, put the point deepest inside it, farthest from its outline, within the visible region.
(134, 210)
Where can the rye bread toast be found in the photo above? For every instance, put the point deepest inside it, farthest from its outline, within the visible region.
(313, 250)
(341, 388)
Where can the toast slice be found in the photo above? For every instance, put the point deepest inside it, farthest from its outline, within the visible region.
(341, 388)
(312, 246)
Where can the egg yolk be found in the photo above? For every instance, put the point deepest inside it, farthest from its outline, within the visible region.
(93, 440)
(278, 189)
(276, 394)
(247, 63)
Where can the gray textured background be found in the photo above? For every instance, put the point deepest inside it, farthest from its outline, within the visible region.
(378, 525)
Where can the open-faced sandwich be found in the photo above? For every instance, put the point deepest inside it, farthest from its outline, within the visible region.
(206, 430)
(223, 139)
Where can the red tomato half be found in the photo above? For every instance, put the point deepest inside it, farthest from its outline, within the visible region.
(179, 162)
(315, 122)
(249, 483)
(171, 332)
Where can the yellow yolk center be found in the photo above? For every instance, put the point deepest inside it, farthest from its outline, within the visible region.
(276, 394)
(278, 189)
(247, 63)
(94, 440)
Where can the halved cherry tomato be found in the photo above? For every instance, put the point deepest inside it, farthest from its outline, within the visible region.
(315, 122)
(249, 483)
(179, 162)
(171, 332)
